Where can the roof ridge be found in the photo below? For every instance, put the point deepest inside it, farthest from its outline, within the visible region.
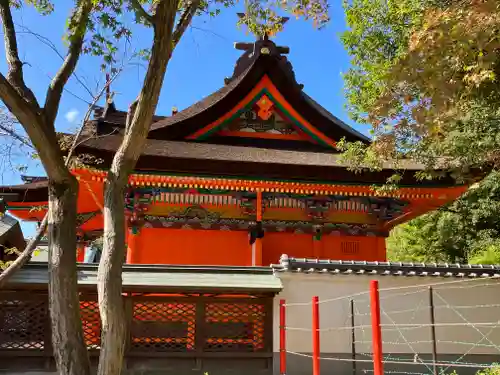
(334, 118)
(329, 266)
(224, 90)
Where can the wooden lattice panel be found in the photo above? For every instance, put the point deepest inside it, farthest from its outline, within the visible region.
(234, 327)
(91, 323)
(23, 324)
(163, 326)
(349, 247)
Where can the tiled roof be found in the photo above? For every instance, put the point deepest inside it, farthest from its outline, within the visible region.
(212, 107)
(339, 267)
(28, 192)
(199, 106)
(11, 233)
(163, 278)
(6, 224)
(205, 151)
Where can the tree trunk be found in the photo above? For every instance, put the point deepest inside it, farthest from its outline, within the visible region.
(111, 304)
(67, 335)
(136, 130)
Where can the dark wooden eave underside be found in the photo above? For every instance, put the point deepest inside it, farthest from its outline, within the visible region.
(249, 162)
(202, 159)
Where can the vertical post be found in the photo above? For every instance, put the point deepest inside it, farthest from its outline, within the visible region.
(257, 246)
(353, 337)
(433, 330)
(317, 247)
(132, 246)
(80, 252)
(376, 330)
(282, 337)
(315, 335)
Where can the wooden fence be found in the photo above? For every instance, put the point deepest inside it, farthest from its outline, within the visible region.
(157, 326)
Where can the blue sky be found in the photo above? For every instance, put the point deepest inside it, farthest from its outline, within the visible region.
(202, 59)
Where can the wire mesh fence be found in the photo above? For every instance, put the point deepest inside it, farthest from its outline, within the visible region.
(425, 329)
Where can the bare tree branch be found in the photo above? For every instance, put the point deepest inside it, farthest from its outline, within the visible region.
(140, 11)
(13, 134)
(87, 115)
(44, 138)
(209, 32)
(184, 21)
(52, 46)
(56, 87)
(15, 73)
(23, 105)
(16, 104)
(25, 256)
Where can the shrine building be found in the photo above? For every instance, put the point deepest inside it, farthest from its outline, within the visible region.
(241, 177)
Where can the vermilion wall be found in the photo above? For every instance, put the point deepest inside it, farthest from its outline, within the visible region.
(328, 247)
(196, 247)
(276, 244)
(353, 248)
(231, 248)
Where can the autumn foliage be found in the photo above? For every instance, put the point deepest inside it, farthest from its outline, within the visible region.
(425, 77)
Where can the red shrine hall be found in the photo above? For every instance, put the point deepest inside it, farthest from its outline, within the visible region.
(241, 177)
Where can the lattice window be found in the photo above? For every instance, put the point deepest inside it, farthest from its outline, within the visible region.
(23, 324)
(349, 247)
(163, 326)
(234, 327)
(91, 323)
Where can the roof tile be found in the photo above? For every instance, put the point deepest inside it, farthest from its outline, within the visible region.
(342, 267)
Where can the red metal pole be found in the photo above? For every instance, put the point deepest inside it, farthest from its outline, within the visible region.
(282, 337)
(376, 331)
(315, 334)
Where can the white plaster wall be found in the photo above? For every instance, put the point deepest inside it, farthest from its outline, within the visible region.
(471, 300)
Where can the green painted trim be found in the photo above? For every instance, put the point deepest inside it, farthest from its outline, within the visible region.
(207, 134)
(23, 208)
(250, 104)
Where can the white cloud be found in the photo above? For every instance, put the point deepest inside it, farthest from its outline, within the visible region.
(72, 115)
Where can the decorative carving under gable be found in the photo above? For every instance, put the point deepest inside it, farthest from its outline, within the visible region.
(265, 105)
(317, 208)
(261, 120)
(195, 213)
(386, 209)
(320, 209)
(307, 227)
(248, 207)
(135, 204)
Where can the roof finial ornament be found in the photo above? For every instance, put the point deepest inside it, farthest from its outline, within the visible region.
(263, 48)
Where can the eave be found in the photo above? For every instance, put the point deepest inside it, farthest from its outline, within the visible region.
(339, 267)
(212, 108)
(204, 159)
(162, 279)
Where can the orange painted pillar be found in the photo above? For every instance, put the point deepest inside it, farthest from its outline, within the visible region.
(133, 246)
(257, 246)
(317, 245)
(80, 252)
(381, 249)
